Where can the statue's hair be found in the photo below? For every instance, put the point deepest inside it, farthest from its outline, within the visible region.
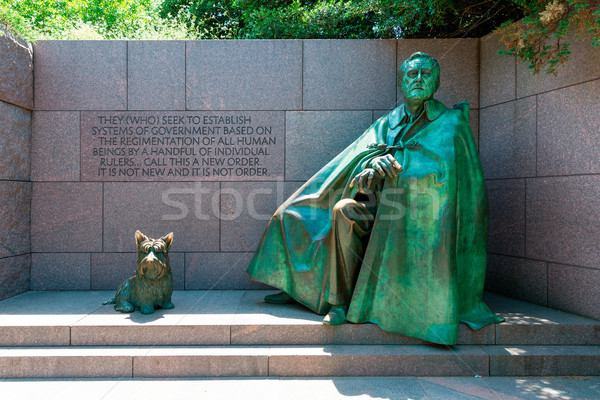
(420, 54)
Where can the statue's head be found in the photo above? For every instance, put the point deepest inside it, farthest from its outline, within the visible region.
(419, 77)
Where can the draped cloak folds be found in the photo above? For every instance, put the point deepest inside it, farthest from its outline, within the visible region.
(424, 261)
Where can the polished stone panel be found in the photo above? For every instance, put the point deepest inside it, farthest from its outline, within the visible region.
(156, 75)
(15, 218)
(563, 223)
(214, 271)
(507, 217)
(190, 210)
(109, 270)
(574, 289)
(60, 271)
(66, 217)
(244, 75)
(314, 138)
(16, 72)
(518, 278)
(507, 141)
(497, 80)
(349, 74)
(58, 130)
(14, 275)
(96, 77)
(15, 139)
(246, 208)
(568, 140)
(154, 146)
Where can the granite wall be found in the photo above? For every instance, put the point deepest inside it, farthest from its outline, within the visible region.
(16, 102)
(539, 146)
(316, 95)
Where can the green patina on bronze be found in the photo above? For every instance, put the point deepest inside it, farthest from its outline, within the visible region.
(152, 285)
(420, 240)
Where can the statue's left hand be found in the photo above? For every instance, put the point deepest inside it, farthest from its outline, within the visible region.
(363, 180)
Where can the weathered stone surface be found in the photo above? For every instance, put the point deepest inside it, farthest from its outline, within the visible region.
(507, 217)
(201, 361)
(198, 319)
(66, 362)
(518, 278)
(568, 120)
(563, 224)
(474, 123)
(315, 137)
(60, 271)
(16, 71)
(219, 271)
(95, 79)
(246, 208)
(66, 217)
(109, 270)
(412, 360)
(34, 335)
(508, 139)
(156, 75)
(459, 64)
(543, 360)
(574, 289)
(14, 275)
(380, 113)
(15, 136)
(190, 210)
(497, 80)
(260, 323)
(349, 74)
(15, 218)
(244, 75)
(55, 146)
(530, 324)
(582, 66)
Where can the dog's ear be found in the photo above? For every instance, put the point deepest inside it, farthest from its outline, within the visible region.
(139, 238)
(168, 240)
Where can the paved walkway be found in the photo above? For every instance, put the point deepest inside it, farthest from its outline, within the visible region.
(560, 388)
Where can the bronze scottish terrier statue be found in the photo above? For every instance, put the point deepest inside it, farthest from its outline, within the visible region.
(152, 286)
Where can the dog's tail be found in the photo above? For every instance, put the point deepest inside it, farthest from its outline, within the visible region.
(111, 301)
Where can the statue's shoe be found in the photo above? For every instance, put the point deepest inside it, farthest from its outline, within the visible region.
(336, 316)
(279, 298)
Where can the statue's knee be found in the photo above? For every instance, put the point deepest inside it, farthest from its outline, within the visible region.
(343, 206)
(344, 209)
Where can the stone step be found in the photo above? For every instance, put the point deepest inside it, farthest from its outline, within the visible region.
(296, 361)
(241, 318)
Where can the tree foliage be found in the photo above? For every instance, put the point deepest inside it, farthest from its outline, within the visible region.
(90, 19)
(533, 30)
(333, 19)
(539, 38)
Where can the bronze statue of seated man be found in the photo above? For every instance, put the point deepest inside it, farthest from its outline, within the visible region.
(393, 231)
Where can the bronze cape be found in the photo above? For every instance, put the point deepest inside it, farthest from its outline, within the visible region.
(424, 261)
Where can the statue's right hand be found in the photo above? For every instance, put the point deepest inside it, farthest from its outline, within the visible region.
(363, 180)
(386, 165)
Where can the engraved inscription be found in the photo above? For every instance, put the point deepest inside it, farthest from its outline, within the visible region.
(182, 146)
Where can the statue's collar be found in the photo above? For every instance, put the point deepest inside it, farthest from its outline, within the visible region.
(433, 109)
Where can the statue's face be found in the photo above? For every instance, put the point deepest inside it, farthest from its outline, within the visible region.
(419, 81)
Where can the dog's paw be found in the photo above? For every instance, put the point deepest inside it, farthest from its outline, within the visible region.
(168, 305)
(147, 309)
(125, 307)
